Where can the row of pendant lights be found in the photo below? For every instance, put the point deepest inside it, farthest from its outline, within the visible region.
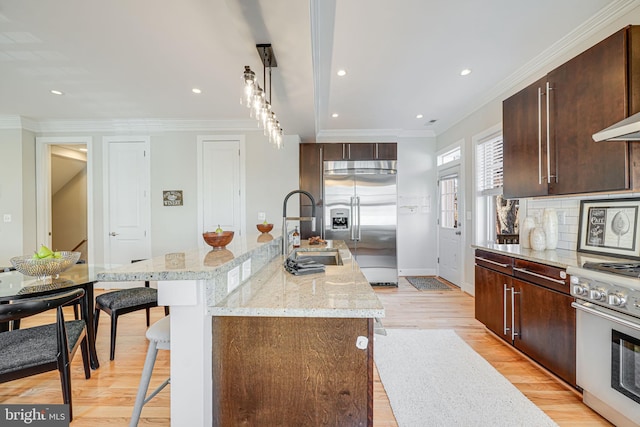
(255, 97)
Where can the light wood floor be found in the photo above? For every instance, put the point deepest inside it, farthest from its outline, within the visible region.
(107, 398)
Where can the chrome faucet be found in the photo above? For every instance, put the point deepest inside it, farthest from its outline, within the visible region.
(285, 218)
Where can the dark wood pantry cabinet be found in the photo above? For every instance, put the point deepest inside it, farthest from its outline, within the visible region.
(312, 158)
(548, 126)
(528, 305)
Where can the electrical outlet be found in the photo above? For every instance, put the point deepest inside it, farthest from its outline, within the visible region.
(7, 218)
(246, 269)
(233, 279)
(562, 217)
(262, 216)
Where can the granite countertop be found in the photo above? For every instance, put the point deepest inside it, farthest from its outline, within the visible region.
(195, 264)
(341, 291)
(561, 258)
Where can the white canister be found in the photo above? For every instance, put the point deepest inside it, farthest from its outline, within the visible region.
(538, 239)
(550, 225)
(525, 231)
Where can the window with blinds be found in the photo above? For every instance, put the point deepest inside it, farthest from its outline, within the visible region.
(489, 165)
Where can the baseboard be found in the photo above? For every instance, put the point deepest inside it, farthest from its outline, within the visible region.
(417, 272)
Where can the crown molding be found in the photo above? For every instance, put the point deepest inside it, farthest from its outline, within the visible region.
(539, 64)
(370, 135)
(124, 125)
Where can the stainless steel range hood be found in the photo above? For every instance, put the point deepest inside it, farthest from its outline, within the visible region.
(625, 130)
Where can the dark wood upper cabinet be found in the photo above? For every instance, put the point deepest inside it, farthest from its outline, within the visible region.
(548, 126)
(360, 151)
(385, 151)
(524, 147)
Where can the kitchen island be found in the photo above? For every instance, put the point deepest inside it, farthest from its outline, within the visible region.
(243, 330)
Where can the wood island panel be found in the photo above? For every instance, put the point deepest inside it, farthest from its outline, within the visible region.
(292, 371)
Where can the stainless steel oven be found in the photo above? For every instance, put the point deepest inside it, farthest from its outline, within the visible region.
(608, 340)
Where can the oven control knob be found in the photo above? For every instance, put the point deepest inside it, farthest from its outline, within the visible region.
(580, 290)
(617, 300)
(597, 295)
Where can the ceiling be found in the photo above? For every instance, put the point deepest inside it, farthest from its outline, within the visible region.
(136, 60)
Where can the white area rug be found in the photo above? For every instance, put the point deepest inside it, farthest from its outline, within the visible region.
(433, 378)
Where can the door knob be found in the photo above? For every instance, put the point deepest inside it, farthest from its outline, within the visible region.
(113, 233)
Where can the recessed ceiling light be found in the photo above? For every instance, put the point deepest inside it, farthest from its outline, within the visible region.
(196, 90)
(56, 92)
(465, 72)
(342, 73)
(419, 116)
(334, 115)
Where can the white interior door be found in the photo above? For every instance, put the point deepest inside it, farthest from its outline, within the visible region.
(450, 227)
(127, 200)
(219, 168)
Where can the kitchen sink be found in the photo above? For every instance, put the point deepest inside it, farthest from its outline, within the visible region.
(330, 257)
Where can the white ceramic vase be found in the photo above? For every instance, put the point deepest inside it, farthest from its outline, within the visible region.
(525, 232)
(538, 239)
(550, 226)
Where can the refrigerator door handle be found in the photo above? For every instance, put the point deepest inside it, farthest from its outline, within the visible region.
(358, 236)
(352, 209)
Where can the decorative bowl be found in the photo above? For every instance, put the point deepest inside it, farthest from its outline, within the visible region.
(218, 240)
(29, 266)
(264, 228)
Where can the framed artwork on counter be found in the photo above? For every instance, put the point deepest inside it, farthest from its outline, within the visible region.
(610, 227)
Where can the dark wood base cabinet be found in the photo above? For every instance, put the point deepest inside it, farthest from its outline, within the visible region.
(530, 309)
(279, 371)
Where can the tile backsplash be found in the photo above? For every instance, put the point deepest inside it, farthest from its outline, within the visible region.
(568, 210)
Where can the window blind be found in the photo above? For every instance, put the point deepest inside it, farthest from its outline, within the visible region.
(489, 165)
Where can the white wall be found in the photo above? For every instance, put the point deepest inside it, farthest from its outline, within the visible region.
(491, 114)
(11, 196)
(417, 207)
(270, 175)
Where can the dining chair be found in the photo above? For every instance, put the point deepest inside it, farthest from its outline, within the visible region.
(34, 350)
(123, 301)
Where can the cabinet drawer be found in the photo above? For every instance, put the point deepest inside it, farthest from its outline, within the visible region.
(493, 261)
(543, 275)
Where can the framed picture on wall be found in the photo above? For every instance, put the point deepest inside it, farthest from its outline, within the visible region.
(610, 227)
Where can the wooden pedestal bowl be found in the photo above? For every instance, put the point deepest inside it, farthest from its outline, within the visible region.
(218, 241)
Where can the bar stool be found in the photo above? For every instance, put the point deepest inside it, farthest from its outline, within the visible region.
(159, 337)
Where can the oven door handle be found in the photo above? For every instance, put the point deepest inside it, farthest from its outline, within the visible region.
(599, 313)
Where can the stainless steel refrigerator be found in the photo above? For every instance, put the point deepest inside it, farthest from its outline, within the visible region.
(360, 201)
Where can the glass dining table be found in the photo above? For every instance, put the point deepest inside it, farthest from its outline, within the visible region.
(15, 285)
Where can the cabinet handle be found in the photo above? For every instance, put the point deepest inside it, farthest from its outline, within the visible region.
(549, 135)
(539, 136)
(376, 156)
(514, 334)
(492, 262)
(343, 152)
(349, 151)
(542, 276)
(504, 310)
